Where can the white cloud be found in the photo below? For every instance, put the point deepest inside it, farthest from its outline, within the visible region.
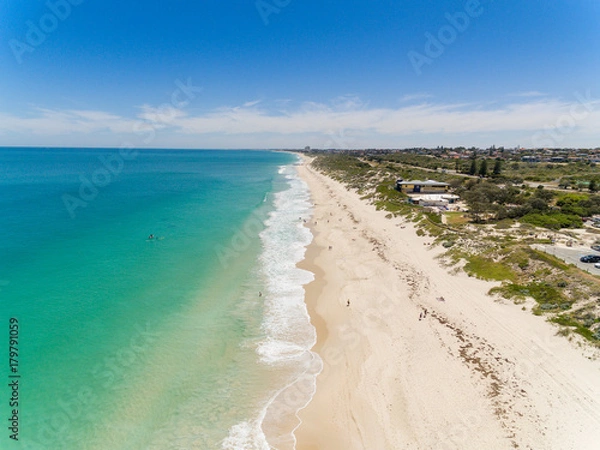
(51, 122)
(417, 96)
(528, 94)
(161, 117)
(346, 121)
(252, 103)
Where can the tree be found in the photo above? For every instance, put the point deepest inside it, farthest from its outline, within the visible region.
(537, 204)
(483, 168)
(481, 198)
(509, 194)
(592, 186)
(497, 167)
(564, 183)
(544, 194)
(473, 168)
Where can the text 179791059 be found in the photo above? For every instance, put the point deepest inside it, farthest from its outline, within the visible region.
(13, 377)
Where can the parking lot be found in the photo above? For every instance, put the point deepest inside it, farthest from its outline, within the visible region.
(571, 255)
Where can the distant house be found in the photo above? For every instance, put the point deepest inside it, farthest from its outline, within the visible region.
(558, 159)
(434, 199)
(530, 158)
(418, 186)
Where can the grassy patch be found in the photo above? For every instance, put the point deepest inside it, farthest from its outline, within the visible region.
(389, 199)
(487, 269)
(504, 224)
(433, 217)
(553, 221)
(517, 257)
(456, 218)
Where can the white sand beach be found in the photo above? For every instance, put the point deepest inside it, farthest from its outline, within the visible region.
(474, 372)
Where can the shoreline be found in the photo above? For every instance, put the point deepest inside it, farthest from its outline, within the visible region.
(473, 373)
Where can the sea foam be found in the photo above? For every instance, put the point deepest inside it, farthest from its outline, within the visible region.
(289, 335)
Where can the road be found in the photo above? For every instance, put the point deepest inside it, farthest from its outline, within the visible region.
(571, 255)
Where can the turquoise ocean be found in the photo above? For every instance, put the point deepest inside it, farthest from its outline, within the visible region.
(196, 338)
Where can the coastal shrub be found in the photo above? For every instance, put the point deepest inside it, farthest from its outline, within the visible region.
(568, 321)
(553, 220)
(511, 291)
(548, 306)
(518, 257)
(432, 229)
(543, 293)
(589, 321)
(548, 259)
(504, 224)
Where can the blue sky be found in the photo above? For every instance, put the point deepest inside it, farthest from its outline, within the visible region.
(290, 73)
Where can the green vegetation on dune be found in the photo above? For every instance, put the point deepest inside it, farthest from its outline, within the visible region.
(389, 199)
(503, 167)
(548, 259)
(553, 220)
(487, 269)
(549, 297)
(571, 323)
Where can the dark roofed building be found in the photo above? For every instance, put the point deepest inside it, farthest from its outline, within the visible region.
(418, 186)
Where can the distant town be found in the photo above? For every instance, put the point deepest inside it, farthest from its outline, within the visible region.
(551, 155)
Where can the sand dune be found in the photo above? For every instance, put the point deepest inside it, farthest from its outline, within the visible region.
(471, 373)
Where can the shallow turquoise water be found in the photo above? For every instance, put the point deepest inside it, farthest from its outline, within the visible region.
(127, 342)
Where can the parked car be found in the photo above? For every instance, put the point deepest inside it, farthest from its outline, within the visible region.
(597, 265)
(590, 259)
(596, 247)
